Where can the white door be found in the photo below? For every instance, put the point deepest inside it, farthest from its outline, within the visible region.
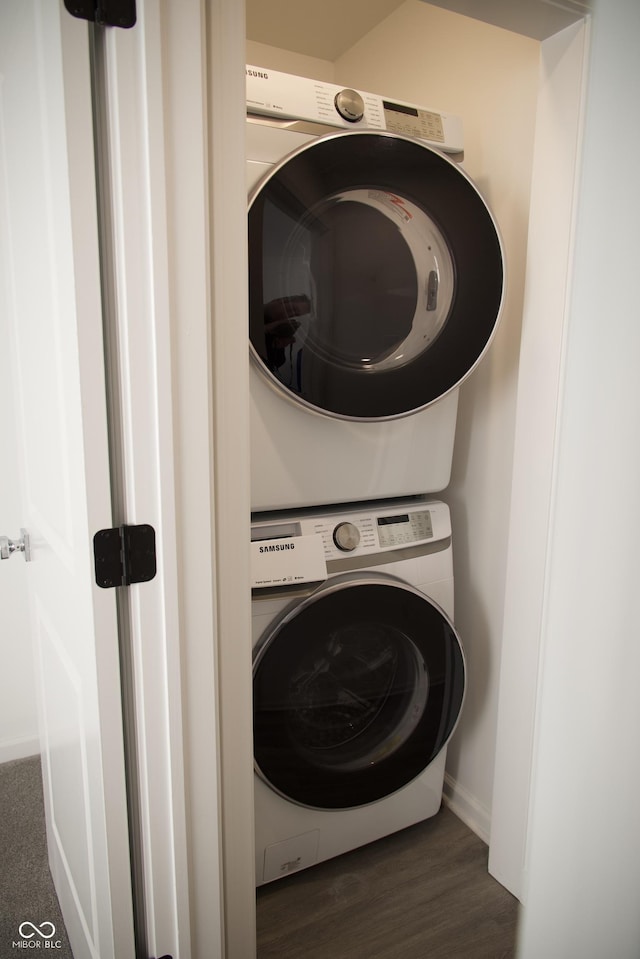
(49, 271)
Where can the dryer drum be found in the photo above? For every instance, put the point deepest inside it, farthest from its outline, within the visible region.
(375, 275)
(355, 692)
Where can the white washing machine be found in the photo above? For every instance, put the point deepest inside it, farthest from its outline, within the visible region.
(358, 679)
(375, 284)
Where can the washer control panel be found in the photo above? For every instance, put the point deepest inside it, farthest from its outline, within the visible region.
(274, 94)
(355, 531)
(372, 533)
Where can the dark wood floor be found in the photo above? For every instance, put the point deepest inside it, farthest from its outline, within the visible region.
(423, 893)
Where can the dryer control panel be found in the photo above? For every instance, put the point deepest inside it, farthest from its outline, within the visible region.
(274, 94)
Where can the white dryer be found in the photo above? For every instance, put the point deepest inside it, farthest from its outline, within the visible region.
(358, 680)
(375, 285)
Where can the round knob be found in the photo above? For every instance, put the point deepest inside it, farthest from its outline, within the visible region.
(350, 105)
(346, 536)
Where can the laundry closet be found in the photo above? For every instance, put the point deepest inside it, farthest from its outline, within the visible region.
(493, 79)
(520, 100)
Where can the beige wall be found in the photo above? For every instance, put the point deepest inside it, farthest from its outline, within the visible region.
(262, 55)
(489, 77)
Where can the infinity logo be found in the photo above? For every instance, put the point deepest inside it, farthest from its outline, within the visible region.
(39, 930)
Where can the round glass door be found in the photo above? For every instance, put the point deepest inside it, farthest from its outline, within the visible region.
(355, 692)
(376, 276)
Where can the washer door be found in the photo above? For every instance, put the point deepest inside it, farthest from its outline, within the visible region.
(356, 691)
(375, 276)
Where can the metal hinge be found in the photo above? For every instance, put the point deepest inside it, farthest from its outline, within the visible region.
(108, 13)
(124, 555)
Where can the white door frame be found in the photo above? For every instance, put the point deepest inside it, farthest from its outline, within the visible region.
(583, 843)
(204, 44)
(231, 503)
(563, 69)
(176, 119)
(136, 281)
(176, 138)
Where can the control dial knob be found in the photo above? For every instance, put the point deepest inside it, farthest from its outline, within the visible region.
(346, 536)
(350, 105)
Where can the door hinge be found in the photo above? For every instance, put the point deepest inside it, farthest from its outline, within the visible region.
(124, 555)
(107, 13)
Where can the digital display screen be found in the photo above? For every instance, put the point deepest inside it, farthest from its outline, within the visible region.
(392, 520)
(399, 108)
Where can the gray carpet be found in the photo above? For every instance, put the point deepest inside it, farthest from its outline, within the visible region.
(27, 895)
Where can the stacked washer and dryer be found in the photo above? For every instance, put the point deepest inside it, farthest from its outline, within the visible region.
(375, 285)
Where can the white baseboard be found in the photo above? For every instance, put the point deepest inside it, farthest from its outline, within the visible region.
(19, 749)
(467, 808)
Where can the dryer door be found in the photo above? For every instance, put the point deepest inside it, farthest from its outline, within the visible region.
(356, 691)
(376, 276)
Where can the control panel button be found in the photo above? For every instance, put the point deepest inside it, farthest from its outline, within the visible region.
(346, 536)
(350, 105)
